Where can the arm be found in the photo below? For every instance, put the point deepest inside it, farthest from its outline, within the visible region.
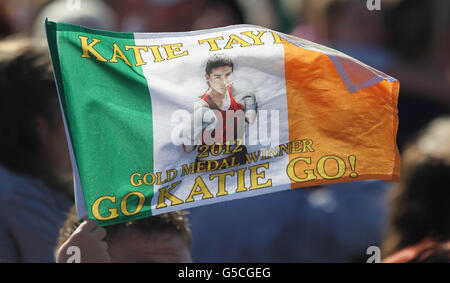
(250, 107)
(246, 97)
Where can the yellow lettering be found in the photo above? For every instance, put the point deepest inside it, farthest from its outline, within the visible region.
(169, 177)
(118, 53)
(132, 180)
(276, 38)
(222, 182)
(340, 166)
(291, 170)
(172, 48)
(201, 164)
(159, 181)
(256, 38)
(137, 53)
(296, 147)
(123, 203)
(234, 39)
(212, 43)
(146, 181)
(224, 164)
(254, 176)
(86, 48)
(306, 145)
(265, 154)
(253, 157)
(164, 193)
(96, 208)
(186, 170)
(274, 151)
(203, 190)
(210, 162)
(285, 148)
(241, 180)
(156, 53)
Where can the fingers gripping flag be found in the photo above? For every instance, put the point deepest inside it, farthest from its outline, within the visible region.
(166, 121)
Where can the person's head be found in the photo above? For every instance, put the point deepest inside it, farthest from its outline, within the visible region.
(218, 72)
(161, 238)
(421, 200)
(33, 140)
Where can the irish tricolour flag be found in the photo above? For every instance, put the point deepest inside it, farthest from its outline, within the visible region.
(158, 122)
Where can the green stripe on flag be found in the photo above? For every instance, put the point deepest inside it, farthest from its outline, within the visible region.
(109, 115)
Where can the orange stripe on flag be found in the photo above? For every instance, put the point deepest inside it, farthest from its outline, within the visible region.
(341, 136)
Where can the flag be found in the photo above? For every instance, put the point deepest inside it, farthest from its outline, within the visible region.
(158, 122)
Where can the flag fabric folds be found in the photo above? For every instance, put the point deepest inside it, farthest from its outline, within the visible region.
(158, 122)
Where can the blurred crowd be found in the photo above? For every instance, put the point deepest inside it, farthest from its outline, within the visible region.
(409, 221)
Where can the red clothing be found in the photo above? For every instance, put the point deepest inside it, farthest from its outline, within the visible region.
(222, 116)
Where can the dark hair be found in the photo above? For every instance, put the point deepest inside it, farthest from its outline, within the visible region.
(420, 201)
(174, 222)
(27, 92)
(218, 60)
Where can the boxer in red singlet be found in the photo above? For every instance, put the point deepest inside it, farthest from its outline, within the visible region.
(219, 98)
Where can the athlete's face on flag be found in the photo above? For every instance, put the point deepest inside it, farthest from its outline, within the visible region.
(219, 79)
